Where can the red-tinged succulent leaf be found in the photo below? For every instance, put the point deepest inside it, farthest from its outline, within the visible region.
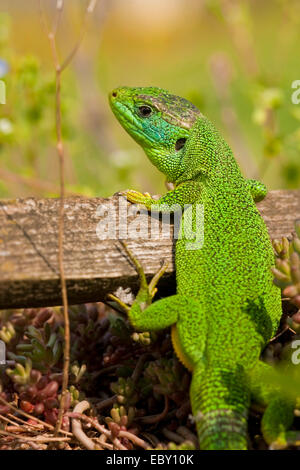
(42, 383)
(39, 409)
(48, 391)
(51, 403)
(26, 406)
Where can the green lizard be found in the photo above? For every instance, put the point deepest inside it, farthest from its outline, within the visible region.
(226, 307)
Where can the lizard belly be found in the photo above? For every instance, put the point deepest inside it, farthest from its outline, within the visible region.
(178, 350)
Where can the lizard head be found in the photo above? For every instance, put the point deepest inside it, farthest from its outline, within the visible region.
(157, 120)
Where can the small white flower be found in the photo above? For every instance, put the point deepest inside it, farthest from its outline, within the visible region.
(6, 126)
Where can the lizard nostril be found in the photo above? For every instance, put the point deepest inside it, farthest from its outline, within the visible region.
(114, 94)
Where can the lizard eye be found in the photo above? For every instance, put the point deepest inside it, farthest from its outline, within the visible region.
(180, 143)
(145, 111)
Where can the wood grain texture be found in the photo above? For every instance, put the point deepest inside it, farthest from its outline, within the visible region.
(93, 266)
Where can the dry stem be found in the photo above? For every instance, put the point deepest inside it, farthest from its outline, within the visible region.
(60, 151)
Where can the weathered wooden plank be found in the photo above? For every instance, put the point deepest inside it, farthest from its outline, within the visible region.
(93, 267)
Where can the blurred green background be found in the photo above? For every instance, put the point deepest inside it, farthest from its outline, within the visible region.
(235, 60)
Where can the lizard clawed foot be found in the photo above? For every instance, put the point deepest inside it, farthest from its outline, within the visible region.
(154, 281)
(124, 307)
(150, 288)
(138, 198)
(147, 291)
(286, 439)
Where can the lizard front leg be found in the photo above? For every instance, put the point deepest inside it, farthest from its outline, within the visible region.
(257, 189)
(142, 314)
(185, 193)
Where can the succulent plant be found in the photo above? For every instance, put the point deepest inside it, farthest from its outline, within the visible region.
(43, 347)
(168, 377)
(287, 271)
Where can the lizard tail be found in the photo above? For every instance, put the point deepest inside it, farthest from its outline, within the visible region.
(220, 400)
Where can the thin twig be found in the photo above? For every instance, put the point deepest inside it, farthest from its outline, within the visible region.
(59, 10)
(89, 10)
(35, 439)
(60, 151)
(27, 415)
(15, 427)
(33, 183)
(35, 427)
(286, 328)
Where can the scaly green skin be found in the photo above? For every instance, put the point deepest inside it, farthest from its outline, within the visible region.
(226, 307)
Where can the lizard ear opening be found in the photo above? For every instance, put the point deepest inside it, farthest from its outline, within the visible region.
(180, 143)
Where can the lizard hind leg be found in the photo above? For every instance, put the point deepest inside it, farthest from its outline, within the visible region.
(279, 413)
(277, 419)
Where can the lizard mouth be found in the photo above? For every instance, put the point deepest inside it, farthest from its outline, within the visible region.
(128, 120)
(123, 113)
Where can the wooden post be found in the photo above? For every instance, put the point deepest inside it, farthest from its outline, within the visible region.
(29, 273)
